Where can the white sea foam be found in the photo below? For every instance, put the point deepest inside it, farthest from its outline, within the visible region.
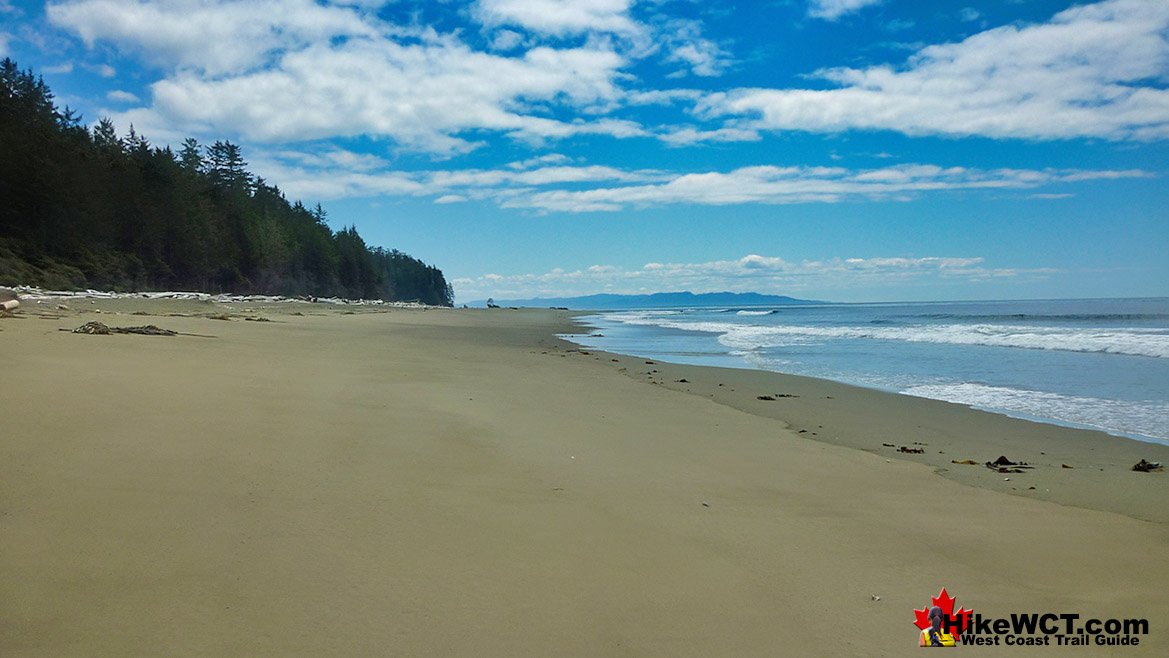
(1133, 341)
(1144, 418)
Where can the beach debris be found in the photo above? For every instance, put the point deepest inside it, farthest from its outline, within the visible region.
(1066, 466)
(95, 328)
(9, 300)
(682, 381)
(219, 316)
(888, 445)
(100, 329)
(972, 462)
(649, 363)
(765, 397)
(257, 319)
(910, 451)
(1004, 465)
(145, 330)
(1147, 467)
(876, 598)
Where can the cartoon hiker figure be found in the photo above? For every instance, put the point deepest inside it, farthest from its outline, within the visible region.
(934, 636)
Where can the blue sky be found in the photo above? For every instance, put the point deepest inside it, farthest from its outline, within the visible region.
(849, 150)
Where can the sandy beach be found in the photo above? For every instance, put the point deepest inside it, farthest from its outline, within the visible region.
(351, 481)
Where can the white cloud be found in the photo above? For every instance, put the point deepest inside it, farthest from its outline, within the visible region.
(553, 183)
(834, 9)
(212, 36)
(560, 17)
(506, 40)
(422, 95)
(1086, 73)
(122, 96)
(684, 135)
(751, 273)
(104, 70)
(299, 71)
(685, 44)
(334, 173)
(547, 159)
(788, 185)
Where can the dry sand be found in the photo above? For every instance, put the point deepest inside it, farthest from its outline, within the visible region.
(356, 482)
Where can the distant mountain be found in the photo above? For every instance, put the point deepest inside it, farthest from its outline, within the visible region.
(657, 300)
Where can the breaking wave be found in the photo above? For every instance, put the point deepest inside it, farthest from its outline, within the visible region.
(1145, 418)
(1133, 341)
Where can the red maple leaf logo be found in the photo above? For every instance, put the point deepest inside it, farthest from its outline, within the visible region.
(946, 603)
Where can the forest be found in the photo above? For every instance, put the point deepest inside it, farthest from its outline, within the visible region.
(81, 208)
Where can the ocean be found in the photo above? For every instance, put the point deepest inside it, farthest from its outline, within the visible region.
(1095, 363)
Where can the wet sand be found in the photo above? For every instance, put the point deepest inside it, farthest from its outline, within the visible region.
(353, 482)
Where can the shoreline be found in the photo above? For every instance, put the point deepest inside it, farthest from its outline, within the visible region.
(1079, 364)
(855, 417)
(371, 481)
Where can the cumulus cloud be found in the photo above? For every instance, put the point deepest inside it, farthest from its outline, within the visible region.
(560, 17)
(211, 36)
(297, 70)
(834, 9)
(751, 273)
(1092, 71)
(421, 95)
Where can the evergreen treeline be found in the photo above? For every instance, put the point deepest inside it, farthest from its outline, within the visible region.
(83, 208)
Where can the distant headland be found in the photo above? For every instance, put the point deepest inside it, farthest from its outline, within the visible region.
(655, 300)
